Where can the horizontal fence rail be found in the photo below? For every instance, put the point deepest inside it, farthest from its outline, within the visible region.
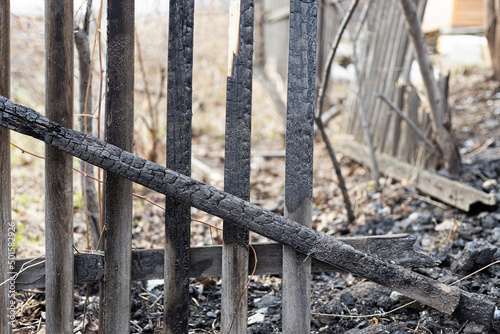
(207, 261)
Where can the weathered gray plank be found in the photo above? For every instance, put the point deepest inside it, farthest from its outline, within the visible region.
(237, 163)
(117, 190)
(228, 207)
(179, 134)
(448, 191)
(296, 284)
(6, 224)
(58, 167)
(207, 261)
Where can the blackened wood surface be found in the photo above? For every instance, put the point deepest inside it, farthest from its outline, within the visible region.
(58, 167)
(117, 190)
(237, 163)
(179, 134)
(228, 207)
(5, 193)
(299, 161)
(206, 261)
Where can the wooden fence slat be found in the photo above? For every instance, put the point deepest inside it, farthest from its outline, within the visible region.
(299, 161)
(179, 135)
(115, 306)
(58, 168)
(5, 192)
(237, 163)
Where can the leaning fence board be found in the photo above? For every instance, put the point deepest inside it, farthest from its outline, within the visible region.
(231, 208)
(296, 284)
(6, 224)
(237, 163)
(206, 261)
(179, 134)
(448, 191)
(119, 131)
(58, 168)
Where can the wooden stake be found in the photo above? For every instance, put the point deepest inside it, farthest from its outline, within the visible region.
(59, 168)
(6, 224)
(237, 163)
(179, 134)
(119, 131)
(299, 161)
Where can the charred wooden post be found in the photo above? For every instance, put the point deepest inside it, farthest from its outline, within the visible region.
(58, 168)
(237, 163)
(179, 134)
(296, 284)
(235, 210)
(119, 131)
(6, 224)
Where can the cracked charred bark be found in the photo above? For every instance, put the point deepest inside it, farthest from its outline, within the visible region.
(237, 163)
(239, 212)
(179, 134)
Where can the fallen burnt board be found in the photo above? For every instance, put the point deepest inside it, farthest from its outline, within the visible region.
(448, 191)
(313, 243)
(207, 261)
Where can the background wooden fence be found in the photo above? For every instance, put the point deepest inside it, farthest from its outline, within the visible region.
(385, 57)
(63, 269)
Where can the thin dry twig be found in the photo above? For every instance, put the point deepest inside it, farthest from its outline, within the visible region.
(319, 106)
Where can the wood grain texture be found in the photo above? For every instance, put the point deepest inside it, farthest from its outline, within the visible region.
(58, 168)
(237, 165)
(5, 183)
(296, 284)
(179, 135)
(228, 207)
(117, 190)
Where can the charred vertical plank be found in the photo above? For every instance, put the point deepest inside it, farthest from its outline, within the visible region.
(179, 134)
(58, 168)
(5, 193)
(299, 160)
(118, 191)
(237, 163)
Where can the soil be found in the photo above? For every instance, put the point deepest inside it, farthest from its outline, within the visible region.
(340, 303)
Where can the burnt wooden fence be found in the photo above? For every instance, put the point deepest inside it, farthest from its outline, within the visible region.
(118, 266)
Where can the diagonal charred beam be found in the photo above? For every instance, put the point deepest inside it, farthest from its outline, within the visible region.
(232, 209)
